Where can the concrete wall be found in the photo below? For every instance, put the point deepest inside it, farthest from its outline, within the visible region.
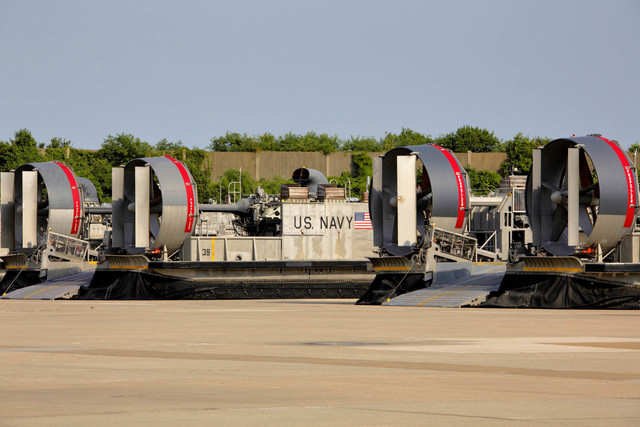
(267, 164)
(272, 163)
(482, 161)
(220, 162)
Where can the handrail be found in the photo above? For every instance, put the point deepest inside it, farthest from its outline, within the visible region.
(492, 236)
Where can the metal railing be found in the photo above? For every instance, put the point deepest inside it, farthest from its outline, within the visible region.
(454, 244)
(491, 239)
(66, 247)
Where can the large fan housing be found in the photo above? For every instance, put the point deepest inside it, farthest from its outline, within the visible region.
(401, 205)
(46, 197)
(581, 192)
(155, 205)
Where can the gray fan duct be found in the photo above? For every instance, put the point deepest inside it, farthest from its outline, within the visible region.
(36, 198)
(89, 190)
(400, 206)
(155, 205)
(581, 192)
(310, 178)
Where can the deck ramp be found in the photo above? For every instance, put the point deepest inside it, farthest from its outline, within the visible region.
(61, 288)
(455, 285)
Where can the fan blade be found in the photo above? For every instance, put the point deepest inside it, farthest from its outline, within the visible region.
(585, 221)
(154, 226)
(594, 212)
(587, 199)
(563, 178)
(558, 222)
(588, 189)
(549, 186)
(586, 179)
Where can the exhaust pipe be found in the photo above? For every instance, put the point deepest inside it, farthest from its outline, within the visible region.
(309, 178)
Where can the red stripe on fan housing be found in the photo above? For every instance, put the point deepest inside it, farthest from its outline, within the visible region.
(462, 191)
(75, 193)
(631, 183)
(188, 187)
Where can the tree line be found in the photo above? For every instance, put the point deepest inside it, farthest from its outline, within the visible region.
(118, 149)
(466, 138)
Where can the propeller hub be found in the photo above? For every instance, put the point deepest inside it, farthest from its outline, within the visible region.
(557, 197)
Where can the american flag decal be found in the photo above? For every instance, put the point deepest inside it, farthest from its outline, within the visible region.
(362, 221)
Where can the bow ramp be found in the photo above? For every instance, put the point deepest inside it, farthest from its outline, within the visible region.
(62, 287)
(455, 285)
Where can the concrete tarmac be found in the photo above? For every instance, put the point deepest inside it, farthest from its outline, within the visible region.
(310, 362)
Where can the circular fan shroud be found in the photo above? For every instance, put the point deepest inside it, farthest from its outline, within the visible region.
(447, 180)
(56, 193)
(616, 189)
(169, 204)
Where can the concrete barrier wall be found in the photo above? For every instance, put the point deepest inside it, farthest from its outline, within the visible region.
(272, 163)
(482, 161)
(219, 162)
(267, 164)
(337, 163)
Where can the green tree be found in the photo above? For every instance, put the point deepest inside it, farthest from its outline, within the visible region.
(469, 138)
(310, 141)
(356, 143)
(91, 165)
(8, 156)
(634, 147)
(59, 143)
(356, 179)
(273, 184)
(164, 146)
(405, 137)
(196, 161)
(483, 182)
(268, 142)
(22, 149)
(519, 154)
(57, 149)
(121, 148)
(233, 141)
(249, 184)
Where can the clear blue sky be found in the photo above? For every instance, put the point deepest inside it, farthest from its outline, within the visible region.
(187, 70)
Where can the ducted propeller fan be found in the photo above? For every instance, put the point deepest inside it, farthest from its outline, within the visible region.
(154, 205)
(581, 192)
(400, 204)
(46, 197)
